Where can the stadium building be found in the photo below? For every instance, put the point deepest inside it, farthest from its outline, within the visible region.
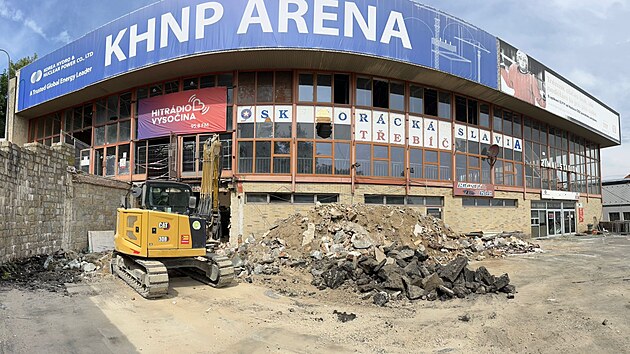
(357, 101)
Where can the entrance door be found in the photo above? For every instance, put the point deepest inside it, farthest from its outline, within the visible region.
(558, 222)
(551, 221)
(554, 222)
(535, 224)
(569, 221)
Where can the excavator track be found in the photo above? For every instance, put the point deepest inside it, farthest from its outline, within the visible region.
(149, 278)
(219, 271)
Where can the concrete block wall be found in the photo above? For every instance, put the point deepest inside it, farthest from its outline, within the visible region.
(91, 207)
(44, 207)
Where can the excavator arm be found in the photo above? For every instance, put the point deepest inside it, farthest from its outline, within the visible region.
(208, 207)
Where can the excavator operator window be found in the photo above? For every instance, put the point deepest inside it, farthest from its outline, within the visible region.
(169, 199)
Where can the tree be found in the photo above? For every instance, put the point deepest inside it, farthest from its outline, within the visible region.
(4, 81)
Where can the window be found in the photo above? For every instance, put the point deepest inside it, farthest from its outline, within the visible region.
(415, 99)
(415, 163)
(396, 96)
(284, 87)
(245, 157)
(191, 84)
(614, 217)
(288, 198)
(246, 87)
(380, 94)
(342, 88)
(305, 157)
(364, 92)
(256, 198)
(324, 88)
(484, 115)
(489, 202)
(626, 215)
(497, 120)
(189, 154)
(444, 105)
(410, 200)
(264, 87)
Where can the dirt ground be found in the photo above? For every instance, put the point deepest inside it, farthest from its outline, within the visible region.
(573, 298)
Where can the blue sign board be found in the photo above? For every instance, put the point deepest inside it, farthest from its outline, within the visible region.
(397, 29)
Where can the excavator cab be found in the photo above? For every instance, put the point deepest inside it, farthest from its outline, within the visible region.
(169, 197)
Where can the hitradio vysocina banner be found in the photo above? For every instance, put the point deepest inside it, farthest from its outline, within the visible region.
(188, 112)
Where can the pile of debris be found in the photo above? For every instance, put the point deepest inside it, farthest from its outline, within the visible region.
(382, 250)
(52, 272)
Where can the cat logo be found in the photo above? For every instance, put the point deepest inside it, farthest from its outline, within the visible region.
(164, 225)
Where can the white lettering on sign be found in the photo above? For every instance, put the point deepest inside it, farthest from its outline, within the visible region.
(380, 127)
(445, 136)
(396, 128)
(179, 29)
(430, 133)
(415, 131)
(179, 113)
(325, 16)
(363, 125)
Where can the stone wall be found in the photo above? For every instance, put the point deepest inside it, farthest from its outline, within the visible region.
(45, 206)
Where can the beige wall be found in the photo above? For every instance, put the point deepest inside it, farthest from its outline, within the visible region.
(592, 213)
(17, 127)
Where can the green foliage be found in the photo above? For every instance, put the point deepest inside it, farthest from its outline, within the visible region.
(4, 82)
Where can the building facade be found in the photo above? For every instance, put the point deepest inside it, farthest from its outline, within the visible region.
(326, 101)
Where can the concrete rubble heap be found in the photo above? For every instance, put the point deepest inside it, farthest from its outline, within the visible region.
(381, 251)
(52, 272)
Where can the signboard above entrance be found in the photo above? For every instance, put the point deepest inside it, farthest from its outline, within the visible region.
(559, 195)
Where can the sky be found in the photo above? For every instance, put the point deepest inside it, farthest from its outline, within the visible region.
(586, 41)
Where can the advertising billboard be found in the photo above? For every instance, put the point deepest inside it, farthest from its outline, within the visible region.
(188, 112)
(528, 80)
(400, 30)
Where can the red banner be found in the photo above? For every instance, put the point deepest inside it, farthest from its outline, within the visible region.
(188, 112)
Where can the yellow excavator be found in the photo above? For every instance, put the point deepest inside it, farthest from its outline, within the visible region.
(169, 231)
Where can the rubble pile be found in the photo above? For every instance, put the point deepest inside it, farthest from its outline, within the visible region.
(52, 272)
(381, 251)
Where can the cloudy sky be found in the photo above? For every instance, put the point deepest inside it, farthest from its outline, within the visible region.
(586, 41)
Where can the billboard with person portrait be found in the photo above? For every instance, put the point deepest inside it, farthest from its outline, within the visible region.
(529, 80)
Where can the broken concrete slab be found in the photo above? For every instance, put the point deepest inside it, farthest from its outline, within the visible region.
(100, 241)
(309, 235)
(452, 270)
(432, 282)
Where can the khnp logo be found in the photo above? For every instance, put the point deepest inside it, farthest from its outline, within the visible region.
(36, 76)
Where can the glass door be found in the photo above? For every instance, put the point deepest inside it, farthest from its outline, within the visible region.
(569, 221)
(558, 222)
(535, 224)
(554, 222)
(551, 221)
